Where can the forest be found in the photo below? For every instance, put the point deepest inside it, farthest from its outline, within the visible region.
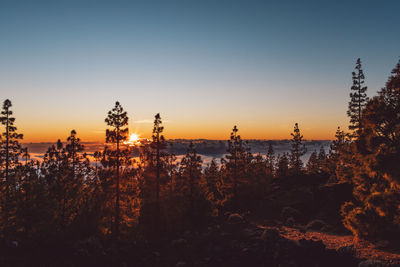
(120, 208)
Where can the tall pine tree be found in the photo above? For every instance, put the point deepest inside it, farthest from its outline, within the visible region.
(376, 211)
(358, 98)
(73, 149)
(238, 156)
(10, 150)
(117, 119)
(297, 151)
(191, 173)
(157, 145)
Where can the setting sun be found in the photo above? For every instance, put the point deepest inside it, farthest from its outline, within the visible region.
(133, 138)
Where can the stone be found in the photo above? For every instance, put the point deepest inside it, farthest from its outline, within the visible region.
(382, 244)
(235, 218)
(270, 235)
(346, 250)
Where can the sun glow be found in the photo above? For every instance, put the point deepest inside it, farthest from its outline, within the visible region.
(133, 138)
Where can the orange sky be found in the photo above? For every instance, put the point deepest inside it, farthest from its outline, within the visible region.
(94, 130)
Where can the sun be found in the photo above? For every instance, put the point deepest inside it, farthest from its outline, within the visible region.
(133, 138)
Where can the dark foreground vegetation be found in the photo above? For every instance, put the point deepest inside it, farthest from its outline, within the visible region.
(153, 211)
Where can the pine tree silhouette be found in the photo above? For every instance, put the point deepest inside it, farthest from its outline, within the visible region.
(73, 148)
(313, 163)
(191, 171)
(214, 187)
(270, 161)
(282, 165)
(158, 144)
(358, 98)
(236, 164)
(297, 151)
(340, 157)
(10, 150)
(117, 119)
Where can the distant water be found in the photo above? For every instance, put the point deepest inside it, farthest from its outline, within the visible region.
(37, 150)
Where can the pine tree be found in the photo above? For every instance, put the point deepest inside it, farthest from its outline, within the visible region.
(56, 174)
(171, 167)
(214, 187)
(270, 161)
(282, 165)
(358, 98)
(238, 154)
(340, 157)
(73, 149)
(10, 150)
(297, 151)
(258, 169)
(337, 146)
(117, 119)
(313, 164)
(376, 211)
(158, 144)
(80, 175)
(191, 172)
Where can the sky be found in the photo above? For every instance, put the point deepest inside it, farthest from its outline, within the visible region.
(203, 65)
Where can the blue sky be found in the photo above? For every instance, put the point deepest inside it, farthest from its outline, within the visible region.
(204, 65)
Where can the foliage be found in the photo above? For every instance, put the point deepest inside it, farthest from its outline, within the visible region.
(117, 119)
(358, 98)
(375, 213)
(297, 151)
(10, 150)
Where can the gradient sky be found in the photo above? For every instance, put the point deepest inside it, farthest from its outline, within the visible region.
(204, 65)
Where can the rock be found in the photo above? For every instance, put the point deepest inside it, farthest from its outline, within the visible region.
(290, 222)
(270, 235)
(382, 244)
(180, 264)
(317, 225)
(235, 218)
(245, 250)
(250, 233)
(371, 263)
(346, 250)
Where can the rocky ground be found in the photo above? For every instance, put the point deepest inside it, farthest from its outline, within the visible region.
(233, 242)
(380, 251)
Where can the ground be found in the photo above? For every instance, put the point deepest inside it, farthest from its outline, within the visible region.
(363, 249)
